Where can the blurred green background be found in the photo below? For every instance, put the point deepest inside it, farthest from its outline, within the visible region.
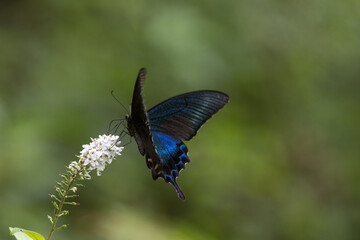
(280, 161)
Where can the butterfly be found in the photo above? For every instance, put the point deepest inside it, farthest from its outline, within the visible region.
(160, 131)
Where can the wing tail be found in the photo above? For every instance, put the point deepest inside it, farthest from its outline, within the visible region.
(170, 179)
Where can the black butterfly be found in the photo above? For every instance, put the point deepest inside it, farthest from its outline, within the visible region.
(160, 131)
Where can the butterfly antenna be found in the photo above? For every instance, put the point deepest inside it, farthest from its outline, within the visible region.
(112, 94)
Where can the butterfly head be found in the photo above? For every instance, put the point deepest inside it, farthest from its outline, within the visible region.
(130, 126)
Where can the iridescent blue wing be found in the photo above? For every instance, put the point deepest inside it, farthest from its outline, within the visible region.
(173, 155)
(176, 119)
(182, 116)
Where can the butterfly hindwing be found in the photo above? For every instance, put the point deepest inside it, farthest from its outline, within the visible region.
(182, 116)
(173, 155)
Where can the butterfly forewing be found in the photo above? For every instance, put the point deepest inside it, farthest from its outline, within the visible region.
(183, 115)
(138, 123)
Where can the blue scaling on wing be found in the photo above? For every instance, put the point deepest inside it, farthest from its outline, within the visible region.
(173, 155)
(183, 115)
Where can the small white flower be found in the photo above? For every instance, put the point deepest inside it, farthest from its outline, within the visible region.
(96, 155)
(78, 168)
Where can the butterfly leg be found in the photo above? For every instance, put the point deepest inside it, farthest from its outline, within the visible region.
(119, 121)
(130, 141)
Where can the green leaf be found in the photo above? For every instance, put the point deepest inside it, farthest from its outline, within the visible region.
(22, 234)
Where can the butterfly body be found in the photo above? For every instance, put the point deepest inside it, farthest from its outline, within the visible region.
(160, 132)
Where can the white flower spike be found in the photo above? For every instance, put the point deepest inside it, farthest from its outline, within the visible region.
(96, 155)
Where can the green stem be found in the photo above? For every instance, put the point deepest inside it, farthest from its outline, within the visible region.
(63, 199)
